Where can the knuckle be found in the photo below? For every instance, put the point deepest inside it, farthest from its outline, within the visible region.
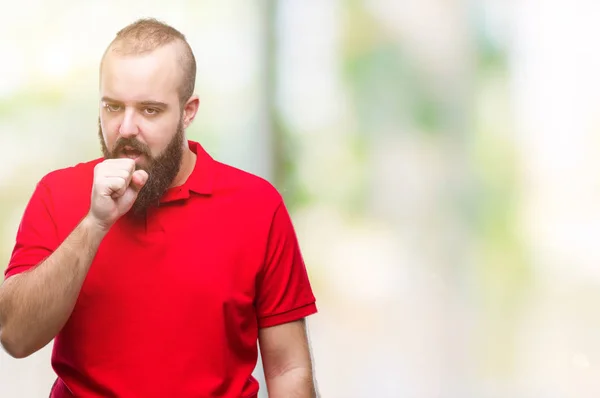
(124, 164)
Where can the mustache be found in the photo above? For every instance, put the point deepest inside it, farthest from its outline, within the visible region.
(132, 143)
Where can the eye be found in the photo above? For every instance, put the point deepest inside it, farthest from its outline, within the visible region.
(151, 111)
(112, 107)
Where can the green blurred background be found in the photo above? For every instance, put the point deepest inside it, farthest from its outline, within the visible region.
(439, 158)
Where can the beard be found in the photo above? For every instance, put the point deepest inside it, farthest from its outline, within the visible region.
(161, 169)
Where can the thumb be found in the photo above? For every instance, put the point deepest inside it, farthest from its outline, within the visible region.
(138, 179)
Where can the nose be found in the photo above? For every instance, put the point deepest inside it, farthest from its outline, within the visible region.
(129, 127)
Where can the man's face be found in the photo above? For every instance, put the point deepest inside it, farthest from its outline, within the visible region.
(140, 117)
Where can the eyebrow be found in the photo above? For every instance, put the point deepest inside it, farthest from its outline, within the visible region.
(144, 103)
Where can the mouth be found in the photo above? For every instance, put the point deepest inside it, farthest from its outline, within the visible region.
(130, 153)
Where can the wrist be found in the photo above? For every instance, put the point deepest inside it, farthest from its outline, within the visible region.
(95, 227)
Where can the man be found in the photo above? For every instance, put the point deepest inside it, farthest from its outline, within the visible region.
(156, 268)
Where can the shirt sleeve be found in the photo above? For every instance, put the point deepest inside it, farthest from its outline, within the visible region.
(284, 293)
(36, 236)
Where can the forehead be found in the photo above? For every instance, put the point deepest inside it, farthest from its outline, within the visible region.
(153, 75)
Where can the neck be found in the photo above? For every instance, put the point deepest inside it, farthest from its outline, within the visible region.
(188, 162)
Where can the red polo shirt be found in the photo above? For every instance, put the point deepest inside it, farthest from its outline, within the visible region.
(172, 302)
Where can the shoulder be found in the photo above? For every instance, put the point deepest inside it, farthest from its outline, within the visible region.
(67, 191)
(64, 195)
(252, 189)
(73, 176)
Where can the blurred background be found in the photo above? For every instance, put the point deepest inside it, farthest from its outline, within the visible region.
(438, 158)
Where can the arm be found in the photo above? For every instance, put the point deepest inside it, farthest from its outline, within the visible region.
(286, 360)
(284, 300)
(35, 305)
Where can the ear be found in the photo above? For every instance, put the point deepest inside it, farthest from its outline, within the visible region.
(190, 109)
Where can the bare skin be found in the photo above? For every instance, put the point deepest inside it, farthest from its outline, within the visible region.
(35, 305)
(287, 362)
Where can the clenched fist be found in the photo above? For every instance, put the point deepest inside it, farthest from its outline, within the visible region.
(115, 189)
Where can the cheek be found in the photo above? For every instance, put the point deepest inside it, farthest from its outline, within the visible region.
(157, 147)
(110, 138)
(109, 130)
(158, 138)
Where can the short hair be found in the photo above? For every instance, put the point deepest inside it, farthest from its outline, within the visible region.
(148, 34)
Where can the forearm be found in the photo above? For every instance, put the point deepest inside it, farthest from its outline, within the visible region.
(36, 304)
(293, 383)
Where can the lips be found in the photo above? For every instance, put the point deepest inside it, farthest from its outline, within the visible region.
(131, 153)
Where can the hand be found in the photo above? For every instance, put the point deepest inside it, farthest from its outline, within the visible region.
(115, 189)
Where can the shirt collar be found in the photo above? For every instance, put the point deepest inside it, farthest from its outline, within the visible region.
(200, 181)
(202, 177)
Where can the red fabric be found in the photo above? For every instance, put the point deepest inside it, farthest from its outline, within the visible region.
(172, 303)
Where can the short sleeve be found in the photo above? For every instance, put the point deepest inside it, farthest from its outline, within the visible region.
(284, 293)
(36, 236)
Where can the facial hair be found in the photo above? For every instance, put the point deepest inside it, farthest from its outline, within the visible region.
(161, 169)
